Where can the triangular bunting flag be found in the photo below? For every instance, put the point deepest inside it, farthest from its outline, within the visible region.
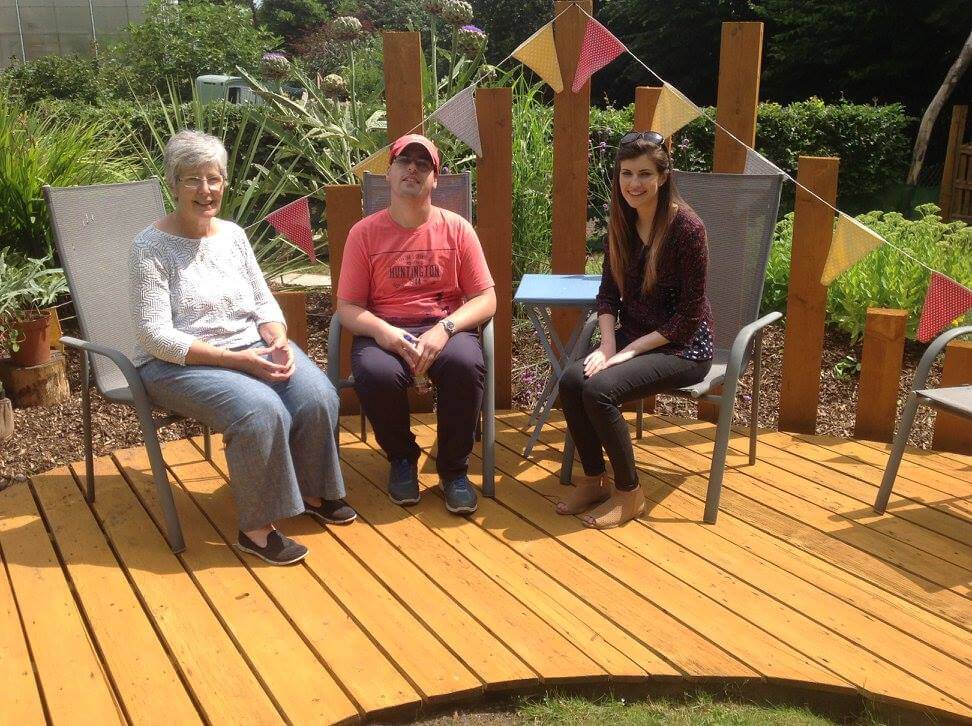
(377, 163)
(672, 111)
(756, 163)
(293, 222)
(539, 53)
(852, 242)
(600, 47)
(945, 300)
(458, 114)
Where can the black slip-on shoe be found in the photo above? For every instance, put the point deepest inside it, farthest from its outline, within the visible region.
(280, 549)
(332, 511)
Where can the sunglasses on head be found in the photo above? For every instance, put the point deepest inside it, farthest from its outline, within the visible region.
(652, 137)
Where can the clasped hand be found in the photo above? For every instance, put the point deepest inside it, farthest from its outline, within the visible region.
(272, 363)
(605, 357)
(418, 352)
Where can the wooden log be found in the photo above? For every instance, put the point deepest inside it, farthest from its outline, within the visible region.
(402, 54)
(6, 419)
(954, 433)
(42, 385)
(806, 305)
(494, 191)
(293, 304)
(737, 104)
(880, 379)
(343, 211)
(570, 165)
(956, 133)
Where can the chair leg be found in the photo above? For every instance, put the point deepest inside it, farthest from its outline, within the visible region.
(714, 492)
(754, 401)
(567, 462)
(639, 423)
(207, 443)
(897, 451)
(164, 490)
(89, 492)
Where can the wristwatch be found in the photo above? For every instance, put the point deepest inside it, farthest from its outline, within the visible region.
(450, 327)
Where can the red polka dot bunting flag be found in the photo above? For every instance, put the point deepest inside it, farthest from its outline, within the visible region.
(293, 222)
(600, 47)
(945, 301)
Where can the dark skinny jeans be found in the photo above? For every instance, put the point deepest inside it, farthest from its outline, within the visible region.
(591, 406)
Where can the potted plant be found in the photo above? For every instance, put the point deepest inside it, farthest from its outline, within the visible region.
(27, 286)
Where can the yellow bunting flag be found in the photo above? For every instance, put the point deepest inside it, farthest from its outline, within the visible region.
(377, 163)
(540, 53)
(852, 242)
(673, 111)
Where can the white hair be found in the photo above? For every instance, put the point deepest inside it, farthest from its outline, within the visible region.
(190, 149)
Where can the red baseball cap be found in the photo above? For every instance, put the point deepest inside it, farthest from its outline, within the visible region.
(407, 140)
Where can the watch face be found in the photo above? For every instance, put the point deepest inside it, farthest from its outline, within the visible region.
(449, 326)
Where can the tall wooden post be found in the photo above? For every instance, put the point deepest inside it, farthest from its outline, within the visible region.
(402, 54)
(570, 168)
(806, 305)
(494, 223)
(737, 104)
(954, 433)
(880, 379)
(343, 210)
(956, 133)
(293, 305)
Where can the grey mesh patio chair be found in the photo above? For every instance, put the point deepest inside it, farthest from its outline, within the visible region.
(739, 212)
(453, 192)
(956, 400)
(93, 229)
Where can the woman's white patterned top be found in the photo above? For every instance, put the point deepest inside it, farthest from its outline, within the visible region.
(208, 289)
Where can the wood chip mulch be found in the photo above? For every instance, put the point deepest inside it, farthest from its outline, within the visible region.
(46, 437)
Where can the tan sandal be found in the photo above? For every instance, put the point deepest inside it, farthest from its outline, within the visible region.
(588, 493)
(623, 506)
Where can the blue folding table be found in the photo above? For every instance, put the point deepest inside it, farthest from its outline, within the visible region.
(537, 293)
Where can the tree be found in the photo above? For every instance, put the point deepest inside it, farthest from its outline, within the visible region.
(291, 19)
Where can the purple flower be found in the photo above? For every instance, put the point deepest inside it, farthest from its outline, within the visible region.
(472, 29)
(602, 146)
(684, 143)
(445, 170)
(274, 56)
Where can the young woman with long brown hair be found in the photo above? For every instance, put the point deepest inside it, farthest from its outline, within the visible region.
(653, 283)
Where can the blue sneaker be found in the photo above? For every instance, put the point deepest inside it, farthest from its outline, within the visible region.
(460, 496)
(403, 481)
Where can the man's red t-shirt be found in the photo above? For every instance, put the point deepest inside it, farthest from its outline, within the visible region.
(412, 275)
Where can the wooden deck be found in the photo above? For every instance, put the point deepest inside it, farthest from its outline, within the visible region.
(798, 590)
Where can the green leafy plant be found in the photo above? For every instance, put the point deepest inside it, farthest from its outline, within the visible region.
(27, 285)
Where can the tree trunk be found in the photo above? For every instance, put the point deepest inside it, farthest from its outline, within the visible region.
(934, 108)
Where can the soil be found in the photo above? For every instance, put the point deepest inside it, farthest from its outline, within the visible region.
(46, 437)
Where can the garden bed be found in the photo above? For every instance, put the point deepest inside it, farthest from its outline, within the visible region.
(50, 436)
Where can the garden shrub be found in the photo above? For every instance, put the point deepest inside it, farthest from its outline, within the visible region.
(886, 278)
(72, 77)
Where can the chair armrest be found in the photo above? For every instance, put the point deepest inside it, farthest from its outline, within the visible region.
(334, 351)
(933, 350)
(741, 343)
(487, 334)
(121, 360)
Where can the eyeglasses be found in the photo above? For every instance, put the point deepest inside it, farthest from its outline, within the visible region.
(195, 182)
(652, 137)
(421, 163)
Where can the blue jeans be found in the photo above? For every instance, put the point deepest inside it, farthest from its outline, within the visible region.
(279, 437)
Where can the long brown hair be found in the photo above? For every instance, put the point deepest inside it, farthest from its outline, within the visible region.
(623, 239)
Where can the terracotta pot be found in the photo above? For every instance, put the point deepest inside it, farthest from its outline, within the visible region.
(35, 344)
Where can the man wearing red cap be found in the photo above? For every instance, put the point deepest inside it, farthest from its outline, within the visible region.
(414, 286)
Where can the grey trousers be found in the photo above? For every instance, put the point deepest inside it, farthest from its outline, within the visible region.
(279, 436)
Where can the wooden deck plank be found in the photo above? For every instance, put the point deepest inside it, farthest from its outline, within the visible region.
(19, 689)
(806, 480)
(368, 676)
(220, 678)
(494, 663)
(869, 547)
(303, 689)
(930, 459)
(148, 684)
(942, 673)
(75, 686)
(787, 530)
(550, 655)
(605, 643)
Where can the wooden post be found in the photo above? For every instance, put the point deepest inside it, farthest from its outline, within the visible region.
(494, 223)
(880, 379)
(738, 100)
(737, 105)
(956, 133)
(570, 168)
(806, 305)
(293, 304)
(343, 210)
(402, 54)
(954, 433)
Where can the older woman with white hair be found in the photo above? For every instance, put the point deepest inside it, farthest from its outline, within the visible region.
(213, 346)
